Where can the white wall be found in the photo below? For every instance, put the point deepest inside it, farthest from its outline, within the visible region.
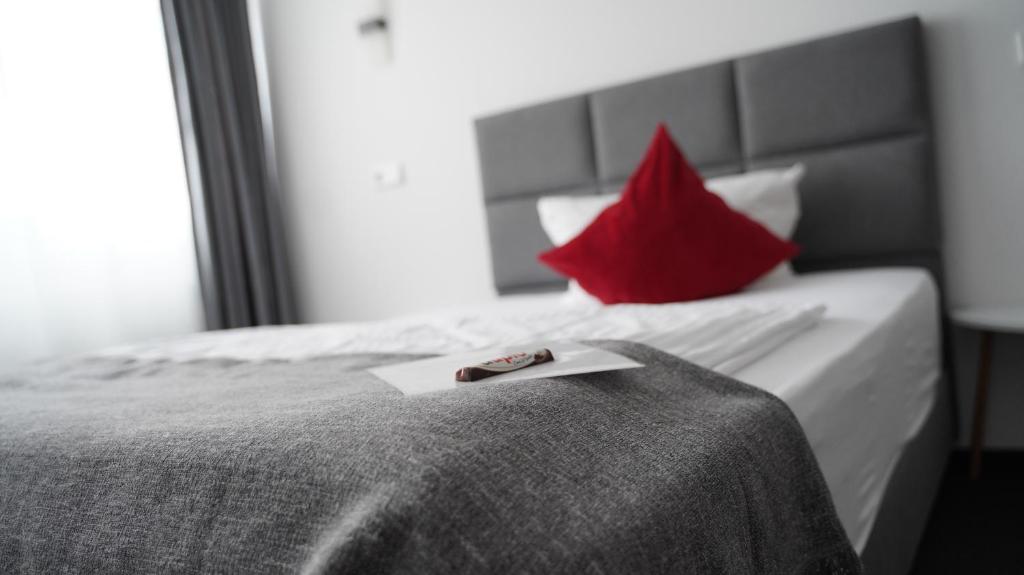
(361, 253)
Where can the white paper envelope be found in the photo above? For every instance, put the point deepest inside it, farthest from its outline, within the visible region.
(438, 373)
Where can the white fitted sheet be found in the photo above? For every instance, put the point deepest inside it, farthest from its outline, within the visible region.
(862, 382)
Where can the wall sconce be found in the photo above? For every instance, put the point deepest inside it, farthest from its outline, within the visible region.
(375, 31)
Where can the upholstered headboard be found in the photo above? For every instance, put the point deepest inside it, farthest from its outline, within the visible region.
(852, 107)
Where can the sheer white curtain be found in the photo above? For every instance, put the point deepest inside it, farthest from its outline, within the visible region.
(96, 240)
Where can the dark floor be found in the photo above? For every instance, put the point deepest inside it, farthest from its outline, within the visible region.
(977, 526)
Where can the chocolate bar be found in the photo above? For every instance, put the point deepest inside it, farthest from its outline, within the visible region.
(511, 362)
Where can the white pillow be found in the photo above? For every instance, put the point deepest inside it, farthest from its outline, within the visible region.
(769, 197)
(564, 217)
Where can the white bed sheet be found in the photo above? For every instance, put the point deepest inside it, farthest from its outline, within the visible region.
(720, 335)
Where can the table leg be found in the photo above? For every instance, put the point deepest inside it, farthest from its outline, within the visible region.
(980, 403)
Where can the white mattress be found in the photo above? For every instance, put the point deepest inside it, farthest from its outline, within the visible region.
(855, 354)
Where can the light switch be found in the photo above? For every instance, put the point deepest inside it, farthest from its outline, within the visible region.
(387, 175)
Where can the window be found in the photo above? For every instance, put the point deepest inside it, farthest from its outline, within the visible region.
(96, 240)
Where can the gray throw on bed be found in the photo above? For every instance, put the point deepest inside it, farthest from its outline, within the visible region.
(116, 465)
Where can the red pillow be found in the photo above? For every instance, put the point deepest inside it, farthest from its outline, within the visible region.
(668, 239)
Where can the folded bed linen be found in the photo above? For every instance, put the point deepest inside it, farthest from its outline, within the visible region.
(112, 464)
(718, 334)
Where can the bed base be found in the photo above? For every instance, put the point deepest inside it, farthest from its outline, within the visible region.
(908, 500)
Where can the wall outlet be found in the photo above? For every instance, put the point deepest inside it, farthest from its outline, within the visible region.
(388, 175)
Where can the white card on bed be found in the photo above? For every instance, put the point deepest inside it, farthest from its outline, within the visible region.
(438, 373)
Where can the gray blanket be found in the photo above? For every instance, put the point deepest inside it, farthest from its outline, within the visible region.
(114, 465)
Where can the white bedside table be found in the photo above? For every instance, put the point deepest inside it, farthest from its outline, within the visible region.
(988, 320)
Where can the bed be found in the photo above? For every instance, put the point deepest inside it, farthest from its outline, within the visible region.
(740, 446)
(854, 109)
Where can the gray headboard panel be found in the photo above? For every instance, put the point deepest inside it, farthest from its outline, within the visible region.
(852, 107)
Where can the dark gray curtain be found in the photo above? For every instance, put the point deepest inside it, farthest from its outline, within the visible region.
(228, 154)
